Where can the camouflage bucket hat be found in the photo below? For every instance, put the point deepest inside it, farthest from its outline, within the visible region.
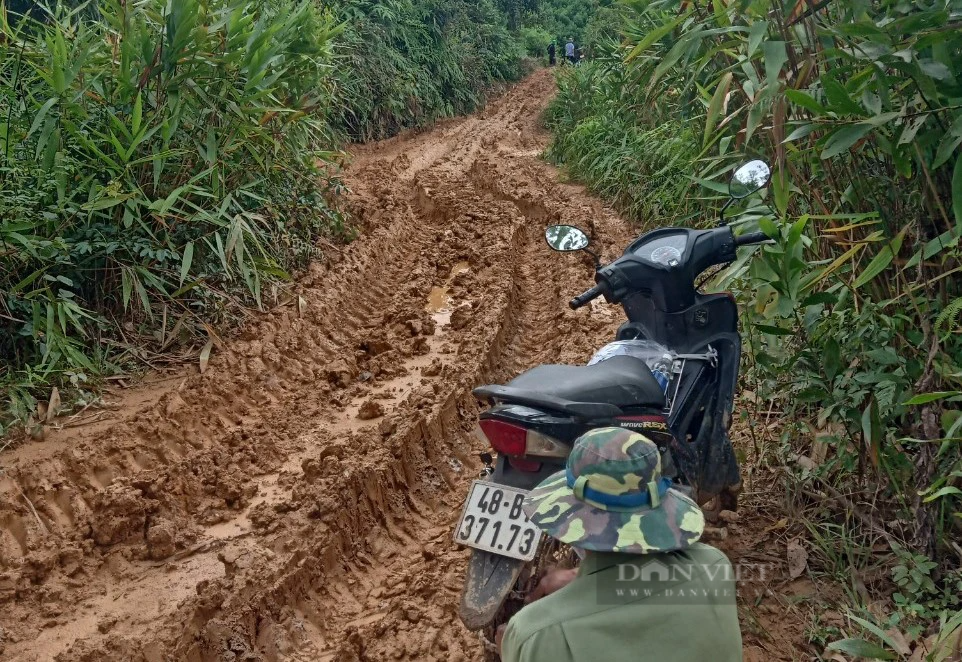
(613, 498)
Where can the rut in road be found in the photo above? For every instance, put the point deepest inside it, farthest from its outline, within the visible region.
(296, 500)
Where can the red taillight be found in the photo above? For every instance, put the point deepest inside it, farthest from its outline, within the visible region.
(505, 437)
(528, 466)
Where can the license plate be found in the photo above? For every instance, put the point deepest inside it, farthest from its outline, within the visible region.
(492, 520)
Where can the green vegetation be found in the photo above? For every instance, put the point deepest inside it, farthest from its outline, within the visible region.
(644, 167)
(157, 170)
(168, 163)
(852, 319)
(566, 18)
(404, 63)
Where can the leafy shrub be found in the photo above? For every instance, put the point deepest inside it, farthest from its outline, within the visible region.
(917, 594)
(852, 318)
(407, 63)
(566, 18)
(643, 168)
(536, 41)
(160, 164)
(602, 34)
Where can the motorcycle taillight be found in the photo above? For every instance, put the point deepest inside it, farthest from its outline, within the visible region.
(527, 466)
(505, 437)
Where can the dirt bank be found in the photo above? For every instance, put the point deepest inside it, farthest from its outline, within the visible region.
(295, 501)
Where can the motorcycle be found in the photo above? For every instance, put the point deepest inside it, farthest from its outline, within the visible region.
(670, 374)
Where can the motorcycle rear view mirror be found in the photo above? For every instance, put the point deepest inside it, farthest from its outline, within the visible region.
(566, 238)
(750, 177)
(569, 239)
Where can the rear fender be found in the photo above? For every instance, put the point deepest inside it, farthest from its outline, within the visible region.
(491, 577)
(489, 580)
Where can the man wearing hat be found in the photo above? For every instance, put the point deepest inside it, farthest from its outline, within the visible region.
(646, 588)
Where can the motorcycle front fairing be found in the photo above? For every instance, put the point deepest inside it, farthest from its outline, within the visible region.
(662, 265)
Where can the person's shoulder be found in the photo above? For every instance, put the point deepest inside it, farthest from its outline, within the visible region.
(551, 612)
(704, 553)
(548, 617)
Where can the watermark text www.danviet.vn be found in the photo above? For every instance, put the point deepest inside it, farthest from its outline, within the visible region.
(681, 583)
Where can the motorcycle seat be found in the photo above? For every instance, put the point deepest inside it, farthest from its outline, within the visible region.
(596, 390)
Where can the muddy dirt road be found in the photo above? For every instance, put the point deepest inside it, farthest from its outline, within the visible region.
(295, 501)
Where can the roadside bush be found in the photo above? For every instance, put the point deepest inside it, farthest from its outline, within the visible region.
(536, 41)
(407, 63)
(602, 34)
(645, 169)
(160, 165)
(566, 18)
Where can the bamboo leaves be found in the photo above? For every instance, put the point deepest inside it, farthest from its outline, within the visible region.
(957, 191)
(756, 33)
(882, 260)
(186, 262)
(715, 106)
(806, 101)
(838, 98)
(134, 143)
(775, 57)
(843, 138)
(655, 35)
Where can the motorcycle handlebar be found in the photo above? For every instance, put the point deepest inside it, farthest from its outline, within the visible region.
(583, 298)
(716, 254)
(751, 238)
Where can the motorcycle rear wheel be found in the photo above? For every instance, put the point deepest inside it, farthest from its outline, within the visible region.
(552, 553)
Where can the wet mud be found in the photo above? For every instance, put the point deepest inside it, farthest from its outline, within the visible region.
(296, 500)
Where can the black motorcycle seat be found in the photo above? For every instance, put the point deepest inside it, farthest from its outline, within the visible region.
(623, 381)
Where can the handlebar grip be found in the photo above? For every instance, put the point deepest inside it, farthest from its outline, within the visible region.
(751, 238)
(583, 298)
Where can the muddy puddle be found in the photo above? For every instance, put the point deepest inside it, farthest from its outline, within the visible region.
(440, 303)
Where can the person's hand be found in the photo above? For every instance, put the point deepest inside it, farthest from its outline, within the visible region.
(553, 580)
(499, 636)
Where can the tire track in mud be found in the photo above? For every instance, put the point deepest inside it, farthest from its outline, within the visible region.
(266, 509)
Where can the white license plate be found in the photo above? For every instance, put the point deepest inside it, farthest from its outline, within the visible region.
(492, 520)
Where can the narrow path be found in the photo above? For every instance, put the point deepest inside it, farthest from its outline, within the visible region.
(296, 501)
(257, 507)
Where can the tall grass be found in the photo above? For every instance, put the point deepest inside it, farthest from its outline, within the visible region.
(159, 164)
(644, 168)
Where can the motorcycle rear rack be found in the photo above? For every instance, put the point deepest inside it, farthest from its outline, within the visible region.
(710, 357)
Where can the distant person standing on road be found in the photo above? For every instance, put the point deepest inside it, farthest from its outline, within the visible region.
(551, 54)
(570, 50)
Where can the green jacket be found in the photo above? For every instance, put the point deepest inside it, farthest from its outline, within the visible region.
(688, 614)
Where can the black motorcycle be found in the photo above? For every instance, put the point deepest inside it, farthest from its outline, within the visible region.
(681, 400)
